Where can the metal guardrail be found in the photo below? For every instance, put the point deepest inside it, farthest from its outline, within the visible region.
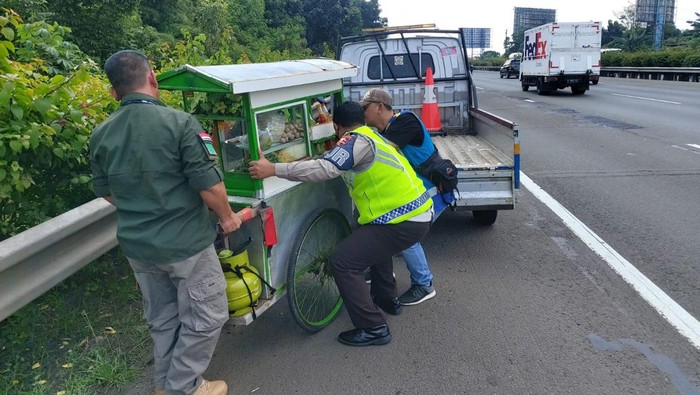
(689, 74)
(38, 259)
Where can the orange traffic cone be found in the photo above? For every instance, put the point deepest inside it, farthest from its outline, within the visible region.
(430, 114)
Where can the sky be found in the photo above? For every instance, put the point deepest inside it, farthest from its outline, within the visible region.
(498, 14)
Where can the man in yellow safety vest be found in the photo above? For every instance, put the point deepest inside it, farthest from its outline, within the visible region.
(395, 212)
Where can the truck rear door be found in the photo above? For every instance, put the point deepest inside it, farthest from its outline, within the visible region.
(576, 48)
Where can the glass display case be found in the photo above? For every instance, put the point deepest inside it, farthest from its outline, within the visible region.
(282, 132)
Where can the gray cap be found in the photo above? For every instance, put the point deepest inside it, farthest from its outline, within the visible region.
(376, 95)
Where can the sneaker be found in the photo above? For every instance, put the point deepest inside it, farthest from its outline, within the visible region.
(417, 294)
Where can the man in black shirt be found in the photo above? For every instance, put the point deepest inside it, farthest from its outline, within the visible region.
(407, 132)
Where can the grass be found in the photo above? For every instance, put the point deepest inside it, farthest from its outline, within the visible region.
(85, 336)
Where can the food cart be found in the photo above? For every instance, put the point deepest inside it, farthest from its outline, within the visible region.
(284, 110)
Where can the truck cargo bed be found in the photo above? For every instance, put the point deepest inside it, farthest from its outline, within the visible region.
(469, 152)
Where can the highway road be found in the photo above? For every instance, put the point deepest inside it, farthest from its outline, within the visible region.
(526, 305)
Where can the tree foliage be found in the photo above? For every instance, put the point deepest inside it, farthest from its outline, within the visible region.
(50, 100)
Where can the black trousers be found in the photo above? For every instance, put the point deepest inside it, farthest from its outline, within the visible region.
(371, 246)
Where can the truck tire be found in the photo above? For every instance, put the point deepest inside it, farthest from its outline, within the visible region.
(485, 217)
(594, 82)
(525, 87)
(541, 88)
(577, 90)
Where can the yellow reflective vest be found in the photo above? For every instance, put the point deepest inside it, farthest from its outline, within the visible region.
(389, 191)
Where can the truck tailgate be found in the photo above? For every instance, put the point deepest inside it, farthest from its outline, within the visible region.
(470, 152)
(485, 174)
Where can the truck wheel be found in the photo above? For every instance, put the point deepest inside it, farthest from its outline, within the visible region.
(578, 90)
(485, 217)
(540, 88)
(501, 75)
(525, 87)
(594, 82)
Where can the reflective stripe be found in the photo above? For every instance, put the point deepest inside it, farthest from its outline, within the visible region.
(403, 210)
(388, 159)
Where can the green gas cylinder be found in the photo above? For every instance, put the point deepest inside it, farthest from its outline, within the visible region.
(239, 296)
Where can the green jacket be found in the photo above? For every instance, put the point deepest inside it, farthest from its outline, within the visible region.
(149, 158)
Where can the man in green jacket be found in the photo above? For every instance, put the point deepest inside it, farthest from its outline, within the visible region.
(152, 163)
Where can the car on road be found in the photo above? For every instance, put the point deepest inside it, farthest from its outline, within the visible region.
(510, 67)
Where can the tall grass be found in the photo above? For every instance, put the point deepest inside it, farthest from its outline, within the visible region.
(85, 336)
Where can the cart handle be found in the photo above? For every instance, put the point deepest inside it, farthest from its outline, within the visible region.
(247, 214)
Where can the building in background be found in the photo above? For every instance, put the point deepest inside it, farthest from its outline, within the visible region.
(527, 18)
(656, 13)
(648, 11)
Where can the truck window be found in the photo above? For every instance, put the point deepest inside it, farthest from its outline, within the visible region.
(398, 66)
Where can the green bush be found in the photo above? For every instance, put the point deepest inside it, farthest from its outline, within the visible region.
(51, 96)
(669, 57)
(692, 60)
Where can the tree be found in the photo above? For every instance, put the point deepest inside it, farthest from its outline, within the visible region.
(627, 16)
(614, 30)
(370, 12)
(49, 101)
(327, 20)
(170, 16)
(634, 39)
(31, 10)
(515, 43)
(696, 23)
(489, 55)
(100, 27)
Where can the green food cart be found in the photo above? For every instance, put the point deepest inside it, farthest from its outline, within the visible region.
(284, 110)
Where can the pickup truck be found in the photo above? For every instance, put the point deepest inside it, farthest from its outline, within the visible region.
(484, 147)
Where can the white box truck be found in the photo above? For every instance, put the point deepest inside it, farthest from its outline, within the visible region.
(560, 55)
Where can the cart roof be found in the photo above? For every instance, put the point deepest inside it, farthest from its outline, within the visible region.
(252, 77)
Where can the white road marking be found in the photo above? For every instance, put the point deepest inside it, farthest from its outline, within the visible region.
(479, 88)
(686, 149)
(529, 100)
(694, 145)
(647, 98)
(685, 323)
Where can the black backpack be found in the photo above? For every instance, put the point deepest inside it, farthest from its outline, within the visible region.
(440, 171)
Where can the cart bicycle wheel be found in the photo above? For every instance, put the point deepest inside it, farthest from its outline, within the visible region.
(313, 297)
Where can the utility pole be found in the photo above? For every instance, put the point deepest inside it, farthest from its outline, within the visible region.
(659, 23)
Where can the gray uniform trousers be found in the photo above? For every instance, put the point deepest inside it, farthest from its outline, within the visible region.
(185, 306)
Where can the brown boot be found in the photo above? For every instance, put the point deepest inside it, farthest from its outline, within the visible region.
(218, 387)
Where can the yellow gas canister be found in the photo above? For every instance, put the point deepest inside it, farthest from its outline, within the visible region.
(243, 286)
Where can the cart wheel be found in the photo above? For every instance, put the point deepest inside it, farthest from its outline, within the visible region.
(313, 297)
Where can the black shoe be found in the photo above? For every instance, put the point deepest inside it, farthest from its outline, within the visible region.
(393, 307)
(357, 337)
